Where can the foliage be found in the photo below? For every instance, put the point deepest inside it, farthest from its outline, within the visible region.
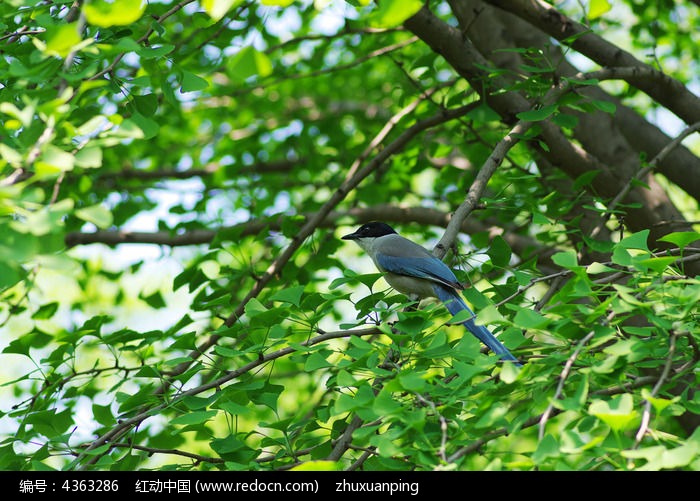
(175, 177)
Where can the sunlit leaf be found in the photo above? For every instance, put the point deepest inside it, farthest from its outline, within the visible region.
(218, 8)
(635, 241)
(98, 215)
(597, 8)
(681, 238)
(61, 39)
(105, 13)
(319, 465)
(249, 62)
(90, 157)
(391, 13)
(618, 413)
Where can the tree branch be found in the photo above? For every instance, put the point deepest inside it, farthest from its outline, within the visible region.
(279, 166)
(659, 86)
(526, 247)
(477, 188)
(642, 174)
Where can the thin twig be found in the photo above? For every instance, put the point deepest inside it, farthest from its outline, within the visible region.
(563, 376)
(646, 414)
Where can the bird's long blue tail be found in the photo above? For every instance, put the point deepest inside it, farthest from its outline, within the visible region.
(455, 304)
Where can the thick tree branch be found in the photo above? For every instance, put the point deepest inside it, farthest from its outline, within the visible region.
(524, 246)
(644, 174)
(575, 160)
(662, 88)
(492, 30)
(279, 166)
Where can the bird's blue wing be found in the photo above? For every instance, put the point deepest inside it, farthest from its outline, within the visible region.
(428, 268)
(455, 304)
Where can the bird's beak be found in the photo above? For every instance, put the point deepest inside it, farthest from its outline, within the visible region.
(350, 236)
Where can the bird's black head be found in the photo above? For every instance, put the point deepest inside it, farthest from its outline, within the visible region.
(373, 229)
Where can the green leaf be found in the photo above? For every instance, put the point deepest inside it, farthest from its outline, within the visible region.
(585, 179)
(658, 403)
(656, 264)
(530, 319)
(597, 8)
(596, 267)
(277, 3)
(46, 311)
(191, 82)
(681, 238)
(290, 295)
(621, 256)
(61, 39)
(98, 215)
(24, 115)
(385, 405)
(539, 114)
(22, 344)
(509, 372)
(195, 417)
(228, 447)
(148, 371)
(54, 160)
(635, 241)
(49, 422)
(13, 157)
(658, 457)
(568, 122)
(681, 456)
(577, 401)
(439, 347)
(618, 412)
(149, 52)
(362, 397)
(103, 414)
(146, 104)
(115, 13)
(489, 315)
(483, 114)
(605, 106)
(319, 465)
(149, 127)
(547, 448)
(89, 157)
(345, 379)
(254, 307)
(154, 300)
(268, 396)
(10, 274)
(218, 8)
(316, 361)
(413, 381)
(566, 259)
(499, 252)
(391, 13)
(248, 62)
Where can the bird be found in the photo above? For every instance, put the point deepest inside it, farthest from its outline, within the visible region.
(412, 270)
